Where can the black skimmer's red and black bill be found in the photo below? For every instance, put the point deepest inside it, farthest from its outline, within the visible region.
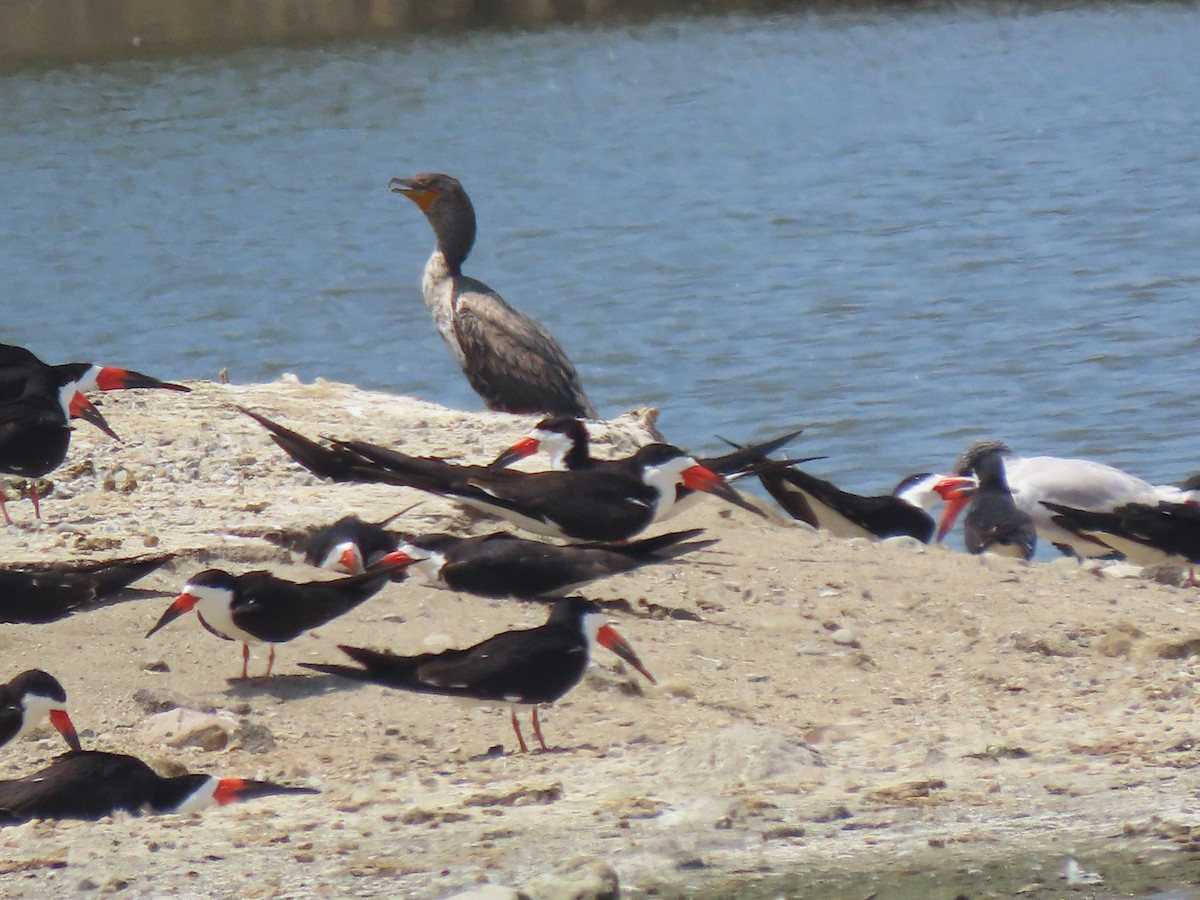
(17, 364)
(993, 523)
(89, 784)
(36, 593)
(1145, 534)
(821, 504)
(1081, 483)
(526, 667)
(509, 359)
(502, 565)
(613, 503)
(260, 608)
(27, 699)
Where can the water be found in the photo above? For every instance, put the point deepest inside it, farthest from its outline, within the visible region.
(900, 230)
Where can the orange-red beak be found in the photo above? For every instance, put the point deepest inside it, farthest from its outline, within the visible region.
(231, 790)
(83, 408)
(350, 561)
(421, 196)
(956, 491)
(184, 603)
(607, 637)
(527, 446)
(110, 378)
(699, 478)
(62, 723)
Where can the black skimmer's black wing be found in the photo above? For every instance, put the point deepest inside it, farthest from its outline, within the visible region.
(531, 666)
(30, 697)
(34, 593)
(258, 607)
(90, 784)
(509, 359)
(994, 522)
(323, 460)
(502, 565)
(1146, 534)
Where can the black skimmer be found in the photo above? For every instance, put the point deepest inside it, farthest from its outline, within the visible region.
(89, 784)
(566, 441)
(994, 522)
(509, 359)
(905, 511)
(1080, 483)
(27, 699)
(502, 565)
(259, 608)
(36, 593)
(613, 503)
(526, 667)
(1144, 534)
(35, 430)
(350, 545)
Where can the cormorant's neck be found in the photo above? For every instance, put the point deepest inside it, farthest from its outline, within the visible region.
(455, 229)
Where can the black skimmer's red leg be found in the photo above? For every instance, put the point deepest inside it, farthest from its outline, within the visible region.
(609, 504)
(30, 697)
(509, 359)
(529, 667)
(89, 784)
(258, 607)
(34, 593)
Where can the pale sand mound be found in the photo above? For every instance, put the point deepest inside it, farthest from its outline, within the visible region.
(822, 702)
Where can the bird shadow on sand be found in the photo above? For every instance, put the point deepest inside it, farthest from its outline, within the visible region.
(287, 687)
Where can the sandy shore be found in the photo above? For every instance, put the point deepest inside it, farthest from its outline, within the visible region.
(824, 706)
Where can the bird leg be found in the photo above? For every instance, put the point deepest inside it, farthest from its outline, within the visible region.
(4, 509)
(537, 729)
(517, 729)
(270, 662)
(33, 496)
(245, 661)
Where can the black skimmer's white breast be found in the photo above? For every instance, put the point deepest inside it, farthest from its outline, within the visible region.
(260, 608)
(89, 784)
(509, 359)
(29, 698)
(526, 667)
